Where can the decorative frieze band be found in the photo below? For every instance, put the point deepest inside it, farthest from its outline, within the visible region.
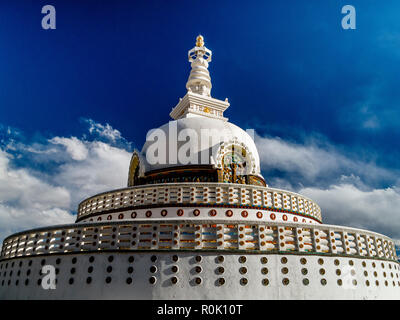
(200, 193)
(200, 235)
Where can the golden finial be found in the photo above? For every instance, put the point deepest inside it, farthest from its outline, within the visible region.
(199, 41)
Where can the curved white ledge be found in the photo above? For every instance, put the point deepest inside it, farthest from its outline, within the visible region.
(256, 237)
(202, 194)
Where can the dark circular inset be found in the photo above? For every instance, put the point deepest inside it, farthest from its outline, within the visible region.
(174, 280)
(152, 280)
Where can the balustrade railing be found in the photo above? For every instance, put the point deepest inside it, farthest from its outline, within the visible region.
(199, 193)
(200, 235)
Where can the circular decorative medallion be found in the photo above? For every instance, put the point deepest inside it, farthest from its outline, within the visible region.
(196, 212)
(236, 164)
(273, 216)
(259, 214)
(229, 213)
(284, 217)
(245, 214)
(148, 214)
(133, 215)
(179, 212)
(121, 216)
(164, 212)
(295, 219)
(109, 217)
(213, 213)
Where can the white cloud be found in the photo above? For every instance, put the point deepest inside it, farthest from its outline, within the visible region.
(75, 147)
(41, 184)
(345, 204)
(309, 160)
(349, 191)
(26, 201)
(105, 131)
(315, 162)
(106, 167)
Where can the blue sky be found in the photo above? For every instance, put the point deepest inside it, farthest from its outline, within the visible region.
(324, 101)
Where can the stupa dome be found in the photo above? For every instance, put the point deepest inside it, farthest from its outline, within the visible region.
(207, 138)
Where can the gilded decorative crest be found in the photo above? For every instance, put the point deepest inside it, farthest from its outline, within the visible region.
(133, 170)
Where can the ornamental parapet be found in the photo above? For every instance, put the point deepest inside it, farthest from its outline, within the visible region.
(236, 236)
(218, 194)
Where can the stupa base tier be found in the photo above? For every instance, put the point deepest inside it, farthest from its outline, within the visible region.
(198, 275)
(205, 197)
(203, 235)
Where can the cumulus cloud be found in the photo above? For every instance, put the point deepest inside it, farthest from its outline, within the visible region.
(26, 201)
(74, 147)
(350, 191)
(345, 204)
(105, 132)
(315, 162)
(42, 182)
(106, 167)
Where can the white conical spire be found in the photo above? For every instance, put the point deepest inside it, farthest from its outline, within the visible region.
(199, 79)
(198, 101)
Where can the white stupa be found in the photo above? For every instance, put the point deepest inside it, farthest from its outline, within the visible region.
(200, 224)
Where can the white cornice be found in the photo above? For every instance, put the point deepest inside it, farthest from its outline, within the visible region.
(193, 103)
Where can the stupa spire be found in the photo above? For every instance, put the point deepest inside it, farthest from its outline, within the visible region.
(199, 78)
(198, 101)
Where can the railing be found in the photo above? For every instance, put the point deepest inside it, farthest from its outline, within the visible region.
(206, 193)
(200, 235)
